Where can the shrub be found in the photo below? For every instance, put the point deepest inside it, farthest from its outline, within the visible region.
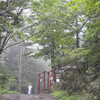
(60, 94)
(63, 95)
(8, 92)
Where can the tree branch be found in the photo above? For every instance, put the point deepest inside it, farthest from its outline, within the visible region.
(18, 14)
(8, 5)
(17, 42)
(80, 27)
(5, 39)
(2, 12)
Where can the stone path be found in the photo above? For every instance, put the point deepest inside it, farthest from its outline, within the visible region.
(27, 97)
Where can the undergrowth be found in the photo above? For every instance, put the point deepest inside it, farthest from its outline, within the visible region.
(63, 95)
(8, 92)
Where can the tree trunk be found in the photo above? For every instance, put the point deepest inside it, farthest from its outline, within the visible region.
(20, 70)
(77, 36)
(52, 54)
(0, 43)
(77, 40)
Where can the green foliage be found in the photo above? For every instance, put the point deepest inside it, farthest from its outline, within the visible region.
(4, 77)
(94, 87)
(77, 54)
(63, 95)
(12, 84)
(60, 94)
(11, 18)
(6, 82)
(71, 81)
(8, 92)
(69, 33)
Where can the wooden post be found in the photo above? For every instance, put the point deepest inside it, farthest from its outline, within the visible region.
(39, 77)
(52, 75)
(47, 82)
(44, 81)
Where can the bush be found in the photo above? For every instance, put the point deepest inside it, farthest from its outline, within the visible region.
(94, 88)
(73, 82)
(63, 95)
(60, 94)
(8, 92)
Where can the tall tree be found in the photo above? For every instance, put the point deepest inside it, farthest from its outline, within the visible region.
(50, 29)
(10, 20)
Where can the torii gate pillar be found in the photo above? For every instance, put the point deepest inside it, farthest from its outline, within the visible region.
(39, 77)
(52, 75)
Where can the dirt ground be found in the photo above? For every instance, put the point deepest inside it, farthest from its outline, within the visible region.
(27, 97)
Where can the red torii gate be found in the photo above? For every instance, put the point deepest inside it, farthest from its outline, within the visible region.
(39, 77)
(48, 76)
